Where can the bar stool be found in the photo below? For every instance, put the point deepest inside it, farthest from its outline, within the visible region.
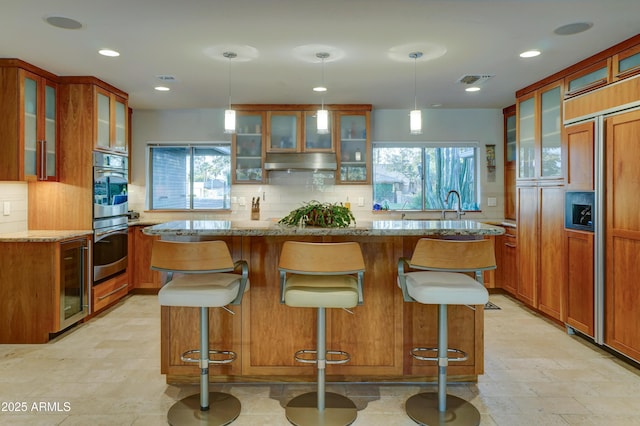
(442, 280)
(321, 275)
(206, 279)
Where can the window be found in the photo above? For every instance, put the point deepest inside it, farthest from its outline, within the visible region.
(418, 176)
(189, 177)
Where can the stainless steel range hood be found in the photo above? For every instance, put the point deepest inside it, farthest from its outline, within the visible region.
(301, 161)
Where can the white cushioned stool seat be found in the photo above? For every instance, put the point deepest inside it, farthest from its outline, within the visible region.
(328, 291)
(447, 288)
(196, 290)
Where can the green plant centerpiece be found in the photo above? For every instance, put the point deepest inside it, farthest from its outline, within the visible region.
(324, 215)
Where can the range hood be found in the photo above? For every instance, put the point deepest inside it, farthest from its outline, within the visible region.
(301, 161)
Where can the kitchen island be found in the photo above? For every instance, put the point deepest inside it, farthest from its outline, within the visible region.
(265, 334)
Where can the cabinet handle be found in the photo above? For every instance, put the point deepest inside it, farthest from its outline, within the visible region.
(112, 292)
(510, 245)
(42, 148)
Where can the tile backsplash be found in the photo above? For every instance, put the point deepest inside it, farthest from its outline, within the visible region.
(13, 206)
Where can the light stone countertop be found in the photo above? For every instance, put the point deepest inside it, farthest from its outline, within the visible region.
(369, 228)
(42, 236)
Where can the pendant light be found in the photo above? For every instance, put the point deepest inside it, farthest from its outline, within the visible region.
(322, 116)
(415, 116)
(229, 114)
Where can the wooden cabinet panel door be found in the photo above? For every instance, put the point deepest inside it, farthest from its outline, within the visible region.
(622, 246)
(579, 278)
(143, 276)
(527, 245)
(551, 292)
(578, 167)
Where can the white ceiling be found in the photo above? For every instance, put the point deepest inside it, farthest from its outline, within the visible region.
(277, 41)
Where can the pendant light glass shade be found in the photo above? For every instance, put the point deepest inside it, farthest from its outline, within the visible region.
(229, 121)
(415, 122)
(322, 119)
(322, 116)
(229, 114)
(415, 116)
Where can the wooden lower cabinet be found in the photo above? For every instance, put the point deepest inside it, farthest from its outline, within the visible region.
(141, 275)
(265, 333)
(579, 279)
(551, 285)
(526, 291)
(541, 249)
(33, 276)
(109, 291)
(506, 256)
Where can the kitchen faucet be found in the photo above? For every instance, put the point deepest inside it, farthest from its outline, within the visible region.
(459, 211)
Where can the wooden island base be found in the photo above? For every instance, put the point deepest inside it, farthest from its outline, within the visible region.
(265, 334)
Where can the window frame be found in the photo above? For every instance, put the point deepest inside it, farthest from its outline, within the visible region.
(226, 205)
(432, 144)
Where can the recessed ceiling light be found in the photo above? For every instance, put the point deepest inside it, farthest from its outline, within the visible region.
(108, 52)
(472, 89)
(63, 22)
(575, 28)
(530, 53)
(320, 89)
(162, 88)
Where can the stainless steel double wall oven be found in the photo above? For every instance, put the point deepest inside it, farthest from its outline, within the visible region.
(110, 206)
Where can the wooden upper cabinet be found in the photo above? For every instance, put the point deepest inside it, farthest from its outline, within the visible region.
(354, 147)
(111, 122)
(247, 151)
(313, 140)
(579, 166)
(539, 131)
(275, 128)
(589, 78)
(284, 131)
(510, 162)
(28, 123)
(626, 64)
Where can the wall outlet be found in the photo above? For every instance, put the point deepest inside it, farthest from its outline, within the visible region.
(492, 202)
(234, 200)
(242, 201)
(360, 201)
(6, 208)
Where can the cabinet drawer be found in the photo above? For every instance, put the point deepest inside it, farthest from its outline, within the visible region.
(510, 235)
(110, 291)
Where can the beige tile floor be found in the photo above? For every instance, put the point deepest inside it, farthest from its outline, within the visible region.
(106, 372)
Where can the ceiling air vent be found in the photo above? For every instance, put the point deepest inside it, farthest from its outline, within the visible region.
(470, 79)
(167, 78)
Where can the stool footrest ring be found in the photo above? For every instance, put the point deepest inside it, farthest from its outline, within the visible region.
(230, 356)
(462, 356)
(300, 357)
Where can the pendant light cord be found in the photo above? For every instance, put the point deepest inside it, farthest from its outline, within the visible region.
(229, 56)
(415, 83)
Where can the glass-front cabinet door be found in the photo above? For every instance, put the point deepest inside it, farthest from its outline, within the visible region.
(353, 149)
(103, 131)
(120, 136)
(550, 139)
(111, 126)
(39, 127)
(313, 139)
(526, 138)
(30, 126)
(510, 139)
(283, 133)
(248, 148)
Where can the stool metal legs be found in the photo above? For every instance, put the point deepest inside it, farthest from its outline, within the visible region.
(442, 409)
(321, 408)
(207, 408)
